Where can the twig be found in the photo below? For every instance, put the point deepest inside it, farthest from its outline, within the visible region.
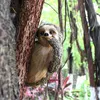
(51, 7)
(60, 83)
(46, 89)
(13, 9)
(60, 15)
(98, 14)
(67, 12)
(97, 1)
(59, 71)
(66, 60)
(65, 20)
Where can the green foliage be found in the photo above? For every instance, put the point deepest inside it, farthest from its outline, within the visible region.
(76, 55)
(85, 93)
(79, 94)
(51, 16)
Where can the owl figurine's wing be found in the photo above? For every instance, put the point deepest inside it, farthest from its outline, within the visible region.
(41, 58)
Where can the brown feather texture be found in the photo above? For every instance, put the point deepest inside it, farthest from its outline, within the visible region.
(46, 55)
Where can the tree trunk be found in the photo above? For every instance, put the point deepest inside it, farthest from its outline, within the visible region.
(28, 23)
(95, 34)
(9, 89)
(93, 89)
(87, 42)
(60, 15)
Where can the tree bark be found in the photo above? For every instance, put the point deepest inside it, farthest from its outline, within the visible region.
(60, 15)
(9, 88)
(95, 34)
(87, 42)
(28, 23)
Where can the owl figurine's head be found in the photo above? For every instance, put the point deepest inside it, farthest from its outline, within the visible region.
(46, 32)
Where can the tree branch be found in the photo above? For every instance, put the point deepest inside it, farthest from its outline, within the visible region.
(60, 15)
(28, 23)
(51, 7)
(87, 42)
(95, 34)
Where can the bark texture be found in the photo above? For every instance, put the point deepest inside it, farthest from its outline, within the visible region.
(95, 34)
(87, 42)
(9, 88)
(28, 23)
(60, 15)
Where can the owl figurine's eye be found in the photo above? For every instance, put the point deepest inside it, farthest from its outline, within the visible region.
(52, 31)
